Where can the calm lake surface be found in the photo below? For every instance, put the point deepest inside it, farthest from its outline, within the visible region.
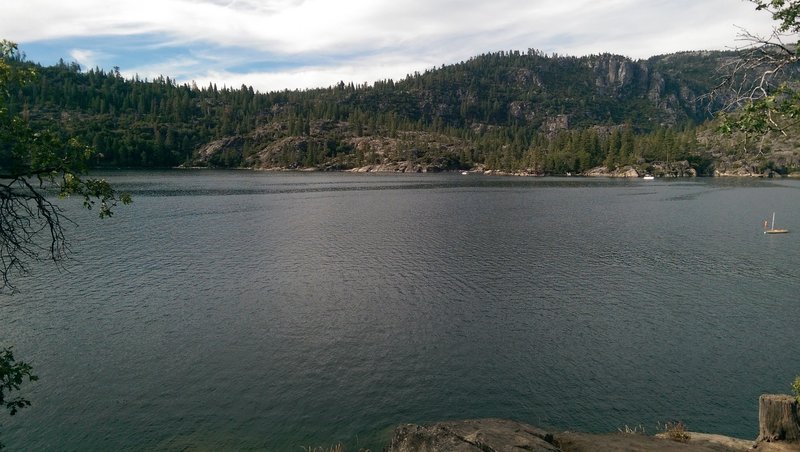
(243, 310)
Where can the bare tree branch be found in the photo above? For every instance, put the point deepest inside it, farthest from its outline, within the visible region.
(31, 229)
(761, 65)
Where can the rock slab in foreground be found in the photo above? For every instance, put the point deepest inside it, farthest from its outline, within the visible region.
(471, 435)
(498, 435)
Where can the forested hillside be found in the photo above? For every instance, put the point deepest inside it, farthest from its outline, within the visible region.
(507, 111)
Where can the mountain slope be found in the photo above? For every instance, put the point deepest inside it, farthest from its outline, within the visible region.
(508, 111)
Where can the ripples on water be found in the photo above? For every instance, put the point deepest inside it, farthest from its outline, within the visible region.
(249, 310)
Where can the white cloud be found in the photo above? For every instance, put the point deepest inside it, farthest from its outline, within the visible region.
(356, 71)
(171, 68)
(86, 58)
(336, 38)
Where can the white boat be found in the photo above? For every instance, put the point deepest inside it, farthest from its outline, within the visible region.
(772, 229)
(648, 177)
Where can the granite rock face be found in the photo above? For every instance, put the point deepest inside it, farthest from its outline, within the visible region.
(602, 171)
(497, 435)
(471, 435)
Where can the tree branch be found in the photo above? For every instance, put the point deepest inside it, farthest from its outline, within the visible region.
(31, 229)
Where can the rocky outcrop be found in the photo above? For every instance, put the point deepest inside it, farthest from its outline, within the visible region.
(557, 123)
(521, 110)
(473, 435)
(657, 169)
(625, 171)
(672, 169)
(490, 435)
(614, 73)
(743, 168)
(398, 167)
(602, 171)
(598, 171)
(218, 146)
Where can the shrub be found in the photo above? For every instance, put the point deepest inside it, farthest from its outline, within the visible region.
(796, 388)
(676, 431)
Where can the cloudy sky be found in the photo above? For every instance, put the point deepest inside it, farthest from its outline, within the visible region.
(288, 44)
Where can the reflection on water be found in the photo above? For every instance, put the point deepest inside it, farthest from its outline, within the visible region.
(276, 310)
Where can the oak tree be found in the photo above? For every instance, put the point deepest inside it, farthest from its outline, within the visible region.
(37, 167)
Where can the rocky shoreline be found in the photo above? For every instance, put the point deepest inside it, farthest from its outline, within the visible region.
(485, 435)
(673, 170)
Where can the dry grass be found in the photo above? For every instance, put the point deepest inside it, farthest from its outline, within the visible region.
(635, 430)
(676, 431)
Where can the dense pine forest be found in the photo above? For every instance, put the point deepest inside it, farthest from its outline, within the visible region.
(523, 112)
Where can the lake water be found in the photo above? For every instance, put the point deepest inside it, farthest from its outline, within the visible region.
(243, 310)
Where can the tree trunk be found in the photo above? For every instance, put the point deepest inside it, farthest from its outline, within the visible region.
(778, 418)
